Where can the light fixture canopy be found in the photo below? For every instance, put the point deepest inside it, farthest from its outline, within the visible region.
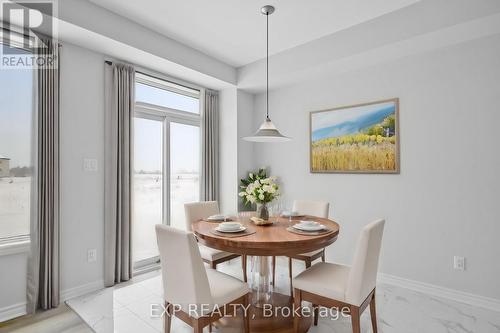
(267, 132)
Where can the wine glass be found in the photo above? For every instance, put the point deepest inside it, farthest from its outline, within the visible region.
(276, 208)
(289, 210)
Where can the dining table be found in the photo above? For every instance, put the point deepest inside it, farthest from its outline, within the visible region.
(261, 243)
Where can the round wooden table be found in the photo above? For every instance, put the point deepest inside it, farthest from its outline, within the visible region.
(266, 242)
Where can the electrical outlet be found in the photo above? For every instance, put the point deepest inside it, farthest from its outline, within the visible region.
(92, 255)
(459, 263)
(90, 164)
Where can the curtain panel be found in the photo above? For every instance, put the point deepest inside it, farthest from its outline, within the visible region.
(43, 284)
(120, 83)
(209, 184)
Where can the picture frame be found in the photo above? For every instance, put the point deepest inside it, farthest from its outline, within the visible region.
(360, 138)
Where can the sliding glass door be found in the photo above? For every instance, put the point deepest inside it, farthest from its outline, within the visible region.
(166, 157)
(147, 187)
(184, 169)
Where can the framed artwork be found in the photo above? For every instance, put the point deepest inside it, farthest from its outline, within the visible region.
(361, 138)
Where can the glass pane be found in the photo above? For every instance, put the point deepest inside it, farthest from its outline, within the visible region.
(148, 187)
(184, 170)
(161, 97)
(16, 163)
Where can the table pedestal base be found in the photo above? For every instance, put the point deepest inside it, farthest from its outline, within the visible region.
(281, 320)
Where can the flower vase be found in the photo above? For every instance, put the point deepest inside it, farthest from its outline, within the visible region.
(263, 211)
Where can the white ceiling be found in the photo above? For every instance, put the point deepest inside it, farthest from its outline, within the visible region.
(233, 31)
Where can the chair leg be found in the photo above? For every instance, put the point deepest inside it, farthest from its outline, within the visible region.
(290, 275)
(167, 318)
(315, 314)
(323, 256)
(355, 319)
(274, 271)
(213, 265)
(308, 263)
(244, 264)
(246, 318)
(197, 327)
(373, 314)
(297, 306)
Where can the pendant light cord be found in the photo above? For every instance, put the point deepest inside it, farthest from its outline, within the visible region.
(267, 67)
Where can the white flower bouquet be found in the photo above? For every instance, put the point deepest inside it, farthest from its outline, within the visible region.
(258, 188)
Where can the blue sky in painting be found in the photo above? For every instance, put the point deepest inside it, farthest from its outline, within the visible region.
(350, 120)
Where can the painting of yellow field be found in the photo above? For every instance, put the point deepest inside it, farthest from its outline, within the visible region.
(361, 138)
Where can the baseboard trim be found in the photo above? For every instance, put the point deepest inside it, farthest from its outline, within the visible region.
(484, 302)
(81, 290)
(438, 291)
(19, 309)
(12, 311)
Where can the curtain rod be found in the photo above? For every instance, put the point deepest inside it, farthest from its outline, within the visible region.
(172, 80)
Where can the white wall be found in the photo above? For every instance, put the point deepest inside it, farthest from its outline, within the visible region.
(82, 193)
(246, 156)
(236, 155)
(445, 201)
(12, 285)
(228, 140)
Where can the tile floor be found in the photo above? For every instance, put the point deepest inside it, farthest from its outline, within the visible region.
(126, 308)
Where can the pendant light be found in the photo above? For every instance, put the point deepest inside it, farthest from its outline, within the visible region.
(267, 132)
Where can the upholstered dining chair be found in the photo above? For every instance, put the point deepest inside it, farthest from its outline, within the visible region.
(344, 287)
(313, 208)
(195, 211)
(196, 295)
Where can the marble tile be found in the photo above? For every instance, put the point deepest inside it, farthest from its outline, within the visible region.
(97, 309)
(126, 321)
(132, 293)
(126, 308)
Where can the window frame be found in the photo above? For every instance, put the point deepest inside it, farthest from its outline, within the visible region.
(22, 243)
(166, 115)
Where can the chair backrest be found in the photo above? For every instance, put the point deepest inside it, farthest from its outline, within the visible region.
(195, 211)
(314, 208)
(363, 275)
(185, 280)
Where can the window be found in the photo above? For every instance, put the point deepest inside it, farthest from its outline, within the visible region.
(166, 160)
(16, 148)
(156, 96)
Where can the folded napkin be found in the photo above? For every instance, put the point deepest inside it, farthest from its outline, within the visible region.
(259, 221)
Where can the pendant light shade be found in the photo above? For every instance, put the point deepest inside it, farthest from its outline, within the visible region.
(267, 132)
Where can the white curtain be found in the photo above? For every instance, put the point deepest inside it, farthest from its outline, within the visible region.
(120, 83)
(210, 147)
(43, 284)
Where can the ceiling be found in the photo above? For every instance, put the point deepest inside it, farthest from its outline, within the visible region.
(233, 31)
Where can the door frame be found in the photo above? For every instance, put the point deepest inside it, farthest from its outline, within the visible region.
(166, 116)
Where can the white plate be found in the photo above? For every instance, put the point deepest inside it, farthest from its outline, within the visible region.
(231, 230)
(309, 222)
(217, 218)
(300, 226)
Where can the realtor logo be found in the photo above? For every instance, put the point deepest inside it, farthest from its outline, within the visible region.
(27, 27)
